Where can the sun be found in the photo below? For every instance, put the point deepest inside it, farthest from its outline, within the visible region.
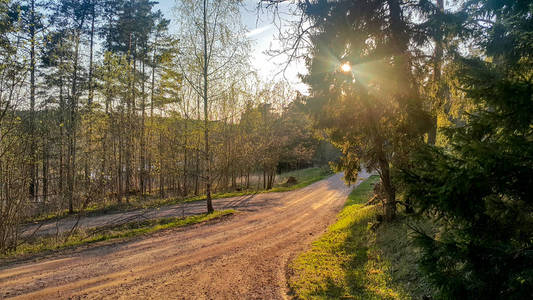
(345, 67)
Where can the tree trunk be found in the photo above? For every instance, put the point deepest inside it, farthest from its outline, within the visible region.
(89, 99)
(437, 63)
(390, 201)
(264, 176)
(62, 110)
(185, 158)
(152, 93)
(197, 171)
(130, 120)
(120, 165)
(72, 126)
(248, 179)
(206, 117)
(32, 186)
(142, 136)
(45, 169)
(104, 159)
(161, 178)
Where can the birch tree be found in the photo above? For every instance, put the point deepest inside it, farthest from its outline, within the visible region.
(213, 49)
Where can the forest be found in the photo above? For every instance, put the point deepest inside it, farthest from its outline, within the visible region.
(101, 103)
(108, 103)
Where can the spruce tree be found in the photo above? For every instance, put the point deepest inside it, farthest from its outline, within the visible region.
(478, 190)
(364, 91)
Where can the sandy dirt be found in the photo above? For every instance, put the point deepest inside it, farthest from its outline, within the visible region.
(241, 257)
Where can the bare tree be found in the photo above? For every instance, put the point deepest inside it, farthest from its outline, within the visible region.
(212, 46)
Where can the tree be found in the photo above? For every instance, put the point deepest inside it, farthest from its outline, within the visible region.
(32, 28)
(113, 75)
(213, 47)
(15, 161)
(73, 16)
(159, 49)
(477, 190)
(131, 26)
(300, 144)
(363, 89)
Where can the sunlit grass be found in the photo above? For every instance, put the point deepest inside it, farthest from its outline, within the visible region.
(99, 234)
(352, 261)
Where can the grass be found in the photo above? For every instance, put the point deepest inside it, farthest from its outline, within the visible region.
(354, 261)
(105, 233)
(305, 177)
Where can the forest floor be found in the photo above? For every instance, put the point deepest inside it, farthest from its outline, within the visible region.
(243, 256)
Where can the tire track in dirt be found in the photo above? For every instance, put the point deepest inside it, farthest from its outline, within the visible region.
(242, 257)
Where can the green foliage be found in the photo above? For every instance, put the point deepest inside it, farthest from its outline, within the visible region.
(478, 190)
(364, 95)
(299, 145)
(304, 177)
(394, 242)
(362, 192)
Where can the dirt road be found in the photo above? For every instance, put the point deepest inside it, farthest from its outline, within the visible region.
(243, 257)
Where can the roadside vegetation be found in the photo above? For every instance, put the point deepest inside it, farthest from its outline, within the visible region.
(359, 257)
(303, 177)
(105, 233)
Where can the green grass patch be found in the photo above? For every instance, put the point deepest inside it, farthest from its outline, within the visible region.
(353, 261)
(305, 177)
(98, 234)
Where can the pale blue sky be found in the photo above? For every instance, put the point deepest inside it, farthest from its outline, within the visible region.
(262, 33)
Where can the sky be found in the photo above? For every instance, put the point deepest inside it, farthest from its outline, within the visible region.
(263, 35)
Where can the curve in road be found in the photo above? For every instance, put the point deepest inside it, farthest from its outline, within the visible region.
(241, 257)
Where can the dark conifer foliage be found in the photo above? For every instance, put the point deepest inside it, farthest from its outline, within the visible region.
(479, 190)
(365, 92)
